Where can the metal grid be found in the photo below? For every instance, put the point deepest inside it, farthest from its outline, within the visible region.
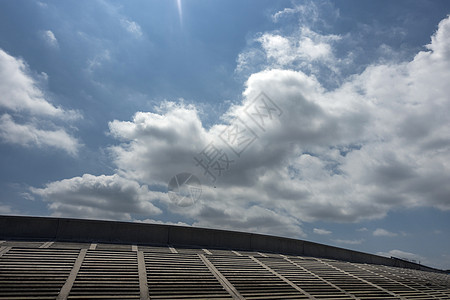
(58, 270)
(252, 280)
(34, 273)
(181, 276)
(107, 275)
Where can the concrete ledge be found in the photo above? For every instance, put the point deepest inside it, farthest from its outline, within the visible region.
(80, 230)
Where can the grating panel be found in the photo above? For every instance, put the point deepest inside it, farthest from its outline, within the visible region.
(34, 273)
(181, 276)
(253, 281)
(107, 275)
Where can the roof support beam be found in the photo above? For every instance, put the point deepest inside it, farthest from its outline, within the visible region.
(282, 277)
(228, 286)
(3, 250)
(361, 279)
(143, 285)
(65, 290)
(318, 277)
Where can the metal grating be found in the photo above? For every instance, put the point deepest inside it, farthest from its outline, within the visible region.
(34, 273)
(252, 280)
(352, 285)
(58, 270)
(181, 276)
(107, 275)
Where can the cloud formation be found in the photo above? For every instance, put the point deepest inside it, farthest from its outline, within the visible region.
(405, 255)
(132, 27)
(21, 97)
(321, 231)
(29, 135)
(103, 197)
(384, 232)
(50, 39)
(378, 142)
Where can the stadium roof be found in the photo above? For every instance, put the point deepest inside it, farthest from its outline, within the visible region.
(53, 258)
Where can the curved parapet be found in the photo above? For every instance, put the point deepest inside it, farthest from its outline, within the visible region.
(81, 230)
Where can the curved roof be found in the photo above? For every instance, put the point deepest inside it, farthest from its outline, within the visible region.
(81, 259)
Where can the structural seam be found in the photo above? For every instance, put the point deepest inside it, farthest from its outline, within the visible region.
(222, 280)
(143, 285)
(46, 245)
(317, 276)
(282, 277)
(3, 250)
(207, 251)
(390, 279)
(65, 290)
(422, 285)
(361, 279)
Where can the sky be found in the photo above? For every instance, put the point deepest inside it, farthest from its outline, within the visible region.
(326, 121)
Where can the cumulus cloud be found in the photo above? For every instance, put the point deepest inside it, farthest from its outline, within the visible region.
(50, 39)
(378, 142)
(321, 231)
(384, 232)
(304, 49)
(22, 98)
(20, 92)
(348, 242)
(158, 146)
(29, 135)
(308, 46)
(100, 197)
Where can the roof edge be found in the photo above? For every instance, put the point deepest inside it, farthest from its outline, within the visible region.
(85, 230)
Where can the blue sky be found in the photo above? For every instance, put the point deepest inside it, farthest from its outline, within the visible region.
(103, 102)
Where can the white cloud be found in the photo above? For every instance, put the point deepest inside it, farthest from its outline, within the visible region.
(307, 46)
(20, 92)
(378, 142)
(151, 221)
(308, 11)
(404, 255)
(304, 49)
(21, 96)
(348, 242)
(49, 37)
(99, 197)
(28, 135)
(321, 231)
(384, 232)
(5, 209)
(158, 146)
(363, 229)
(132, 27)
